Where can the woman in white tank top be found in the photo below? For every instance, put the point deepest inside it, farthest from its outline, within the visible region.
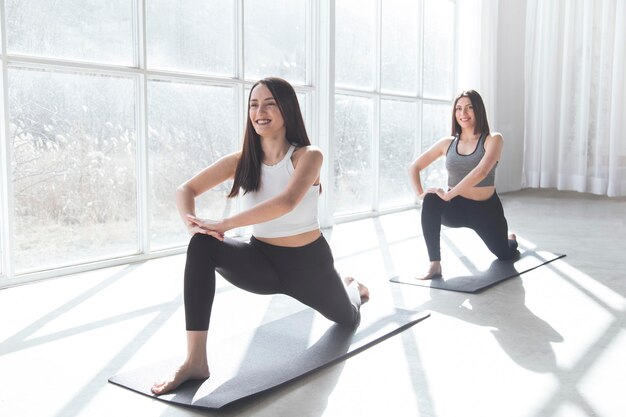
(278, 173)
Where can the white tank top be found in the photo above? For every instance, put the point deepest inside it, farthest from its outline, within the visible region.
(274, 180)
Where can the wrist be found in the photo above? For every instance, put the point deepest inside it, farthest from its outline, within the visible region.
(228, 223)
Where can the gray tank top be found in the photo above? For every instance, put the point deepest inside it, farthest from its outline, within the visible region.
(459, 166)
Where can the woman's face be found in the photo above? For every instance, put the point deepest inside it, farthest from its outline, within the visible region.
(264, 113)
(464, 113)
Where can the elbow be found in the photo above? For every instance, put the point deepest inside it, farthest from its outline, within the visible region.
(414, 172)
(286, 204)
(289, 204)
(480, 174)
(414, 168)
(183, 190)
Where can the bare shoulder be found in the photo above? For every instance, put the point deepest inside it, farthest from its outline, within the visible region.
(308, 153)
(443, 144)
(447, 140)
(494, 138)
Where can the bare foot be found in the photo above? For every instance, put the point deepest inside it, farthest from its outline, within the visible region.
(186, 372)
(363, 291)
(434, 271)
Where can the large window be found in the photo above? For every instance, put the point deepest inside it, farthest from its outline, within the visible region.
(90, 30)
(73, 145)
(353, 171)
(109, 106)
(192, 36)
(438, 48)
(189, 126)
(276, 38)
(394, 76)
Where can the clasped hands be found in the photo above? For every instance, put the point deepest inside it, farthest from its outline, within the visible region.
(444, 195)
(209, 227)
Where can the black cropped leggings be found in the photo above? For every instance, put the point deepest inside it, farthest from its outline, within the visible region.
(486, 218)
(306, 273)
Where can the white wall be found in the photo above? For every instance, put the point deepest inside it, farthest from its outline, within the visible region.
(509, 92)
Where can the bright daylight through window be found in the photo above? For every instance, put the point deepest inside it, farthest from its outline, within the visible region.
(110, 105)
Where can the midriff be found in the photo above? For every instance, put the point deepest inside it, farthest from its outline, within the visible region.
(479, 193)
(294, 241)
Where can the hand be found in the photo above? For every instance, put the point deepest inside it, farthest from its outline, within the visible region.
(209, 227)
(427, 191)
(444, 195)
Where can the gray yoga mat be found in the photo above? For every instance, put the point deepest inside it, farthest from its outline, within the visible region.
(472, 275)
(272, 355)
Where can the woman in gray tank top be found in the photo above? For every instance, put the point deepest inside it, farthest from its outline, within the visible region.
(472, 153)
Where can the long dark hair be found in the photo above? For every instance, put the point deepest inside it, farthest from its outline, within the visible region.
(248, 173)
(482, 125)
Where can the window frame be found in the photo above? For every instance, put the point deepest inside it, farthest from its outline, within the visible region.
(319, 89)
(377, 95)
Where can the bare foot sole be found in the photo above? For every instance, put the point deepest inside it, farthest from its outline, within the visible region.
(185, 373)
(363, 291)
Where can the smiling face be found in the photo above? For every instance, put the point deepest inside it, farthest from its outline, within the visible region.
(464, 113)
(264, 113)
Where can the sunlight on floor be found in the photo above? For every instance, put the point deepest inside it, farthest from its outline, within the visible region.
(548, 343)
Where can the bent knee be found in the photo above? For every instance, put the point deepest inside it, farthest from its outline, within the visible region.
(432, 203)
(431, 198)
(351, 320)
(201, 243)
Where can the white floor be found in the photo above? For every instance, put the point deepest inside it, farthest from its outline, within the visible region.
(551, 343)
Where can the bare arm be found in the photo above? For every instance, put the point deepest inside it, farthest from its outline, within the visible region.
(306, 174)
(493, 150)
(221, 170)
(437, 150)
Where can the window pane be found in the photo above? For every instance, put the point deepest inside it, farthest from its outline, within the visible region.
(355, 31)
(193, 35)
(302, 102)
(397, 149)
(399, 54)
(438, 48)
(92, 30)
(190, 127)
(354, 178)
(436, 121)
(74, 170)
(275, 36)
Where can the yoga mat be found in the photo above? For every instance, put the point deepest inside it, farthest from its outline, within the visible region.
(272, 355)
(471, 275)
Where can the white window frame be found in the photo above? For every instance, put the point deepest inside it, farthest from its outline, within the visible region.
(320, 92)
(377, 95)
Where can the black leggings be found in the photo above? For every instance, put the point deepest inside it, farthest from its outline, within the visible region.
(486, 218)
(306, 273)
